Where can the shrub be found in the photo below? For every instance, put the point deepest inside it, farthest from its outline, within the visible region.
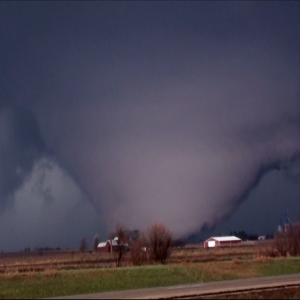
(158, 241)
(268, 251)
(138, 252)
(287, 242)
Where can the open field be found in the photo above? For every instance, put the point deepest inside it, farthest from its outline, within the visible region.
(51, 283)
(59, 273)
(66, 260)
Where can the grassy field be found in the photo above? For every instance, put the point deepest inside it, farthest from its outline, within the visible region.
(52, 282)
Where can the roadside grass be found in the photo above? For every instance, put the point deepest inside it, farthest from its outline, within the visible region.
(283, 266)
(62, 283)
(55, 283)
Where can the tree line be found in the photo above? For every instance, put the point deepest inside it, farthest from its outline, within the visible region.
(152, 245)
(249, 237)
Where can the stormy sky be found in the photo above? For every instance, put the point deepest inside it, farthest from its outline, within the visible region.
(130, 113)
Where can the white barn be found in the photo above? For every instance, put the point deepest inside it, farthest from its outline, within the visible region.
(221, 241)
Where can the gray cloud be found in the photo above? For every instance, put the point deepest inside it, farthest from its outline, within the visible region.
(38, 198)
(159, 111)
(49, 210)
(20, 146)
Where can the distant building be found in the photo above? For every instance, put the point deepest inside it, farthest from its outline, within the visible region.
(104, 247)
(108, 246)
(261, 237)
(221, 241)
(112, 245)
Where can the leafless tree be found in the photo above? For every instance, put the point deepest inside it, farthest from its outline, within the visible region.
(121, 234)
(288, 241)
(294, 239)
(281, 243)
(133, 235)
(138, 252)
(158, 240)
(96, 241)
(83, 245)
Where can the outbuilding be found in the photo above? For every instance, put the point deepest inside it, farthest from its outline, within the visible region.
(104, 247)
(108, 246)
(221, 241)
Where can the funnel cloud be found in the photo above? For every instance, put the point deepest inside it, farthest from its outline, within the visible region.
(136, 112)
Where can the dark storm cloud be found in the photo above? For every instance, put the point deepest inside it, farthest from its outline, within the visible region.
(158, 111)
(20, 146)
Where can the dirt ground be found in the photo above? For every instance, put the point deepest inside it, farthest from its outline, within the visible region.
(68, 259)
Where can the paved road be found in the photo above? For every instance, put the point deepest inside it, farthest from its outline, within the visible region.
(196, 289)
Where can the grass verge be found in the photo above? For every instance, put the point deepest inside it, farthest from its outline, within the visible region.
(52, 283)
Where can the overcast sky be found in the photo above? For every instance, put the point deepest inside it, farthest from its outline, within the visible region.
(129, 113)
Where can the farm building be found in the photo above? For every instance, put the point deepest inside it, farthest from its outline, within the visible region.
(221, 241)
(107, 246)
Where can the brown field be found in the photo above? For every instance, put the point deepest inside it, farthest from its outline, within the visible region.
(67, 259)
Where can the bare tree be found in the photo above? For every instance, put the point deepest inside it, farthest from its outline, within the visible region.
(288, 241)
(138, 252)
(83, 245)
(96, 241)
(133, 235)
(158, 240)
(294, 239)
(121, 234)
